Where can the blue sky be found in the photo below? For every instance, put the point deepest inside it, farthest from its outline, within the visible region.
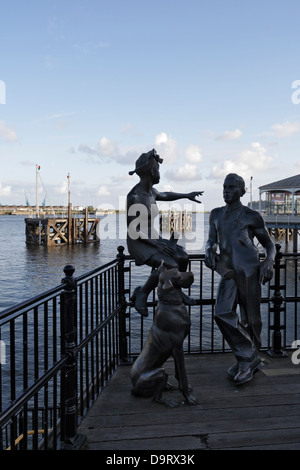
(87, 86)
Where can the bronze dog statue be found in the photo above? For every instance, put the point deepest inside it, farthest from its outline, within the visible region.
(170, 327)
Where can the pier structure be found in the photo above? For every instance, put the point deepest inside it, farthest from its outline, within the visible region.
(77, 342)
(282, 215)
(63, 230)
(60, 230)
(176, 221)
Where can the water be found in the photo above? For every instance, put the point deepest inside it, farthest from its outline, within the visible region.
(29, 270)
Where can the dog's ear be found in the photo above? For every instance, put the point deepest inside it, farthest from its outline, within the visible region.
(167, 285)
(161, 268)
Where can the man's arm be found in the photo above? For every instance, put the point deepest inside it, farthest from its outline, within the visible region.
(262, 235)
(171, 196)
(211, 244)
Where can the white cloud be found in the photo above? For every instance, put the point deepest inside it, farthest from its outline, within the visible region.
(7, 134)
(166, 147)
(107, 147)
(63, 188)
(60, 115)
(193, 154)
(5, 190)
(103, 191)
(287, 129)
(187, 172)
(90, 48)
(127, 127)
(246, 163)
(230, 135)
(86, 148)
(104, 148)
(121, 178)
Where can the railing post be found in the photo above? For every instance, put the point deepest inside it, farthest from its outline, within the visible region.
(123, 346)
(277, 300)
(70, 438)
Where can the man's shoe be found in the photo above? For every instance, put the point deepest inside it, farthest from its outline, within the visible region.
(246, 370)
(233, 370)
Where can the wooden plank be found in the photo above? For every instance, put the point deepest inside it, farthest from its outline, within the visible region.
(161, 443)
(262, 414)
(193, 415)
(278, 438)
(122, 431)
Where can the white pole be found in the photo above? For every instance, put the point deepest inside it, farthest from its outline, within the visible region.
(36, 189)
(69, 190)
(251, 192)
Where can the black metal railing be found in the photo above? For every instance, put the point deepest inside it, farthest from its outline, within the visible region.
(60, 349)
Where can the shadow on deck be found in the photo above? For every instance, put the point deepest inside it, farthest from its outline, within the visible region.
(261, 415)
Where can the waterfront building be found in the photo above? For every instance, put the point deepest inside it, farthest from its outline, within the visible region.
(282, 197)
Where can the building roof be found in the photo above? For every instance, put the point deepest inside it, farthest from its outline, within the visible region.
(285, 185)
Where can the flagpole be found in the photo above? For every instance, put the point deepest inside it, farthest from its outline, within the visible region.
(70, 226)
(37, 167)
(69, 189)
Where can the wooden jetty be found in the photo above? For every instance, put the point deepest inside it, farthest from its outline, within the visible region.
(284, 227)
(263, 414)
(60, 230)
(176, 221)
(63, 230)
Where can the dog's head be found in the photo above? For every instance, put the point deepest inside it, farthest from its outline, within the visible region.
(173, 278)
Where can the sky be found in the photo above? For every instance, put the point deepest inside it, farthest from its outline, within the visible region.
(86, 86)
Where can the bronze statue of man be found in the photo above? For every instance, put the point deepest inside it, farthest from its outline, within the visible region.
(144, 242)
(232, 229)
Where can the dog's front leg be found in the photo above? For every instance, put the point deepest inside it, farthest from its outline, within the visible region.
(158, 393)
(182, 377)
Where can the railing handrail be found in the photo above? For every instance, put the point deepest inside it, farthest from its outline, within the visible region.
(29, 303)
(11, 409)
(103, 293)
(32, 301)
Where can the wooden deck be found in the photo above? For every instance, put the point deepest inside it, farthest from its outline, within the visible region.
(261, 415)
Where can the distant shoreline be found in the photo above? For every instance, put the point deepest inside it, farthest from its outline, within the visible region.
(59, 210)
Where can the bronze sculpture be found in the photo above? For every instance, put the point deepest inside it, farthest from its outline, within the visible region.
(232, 228)
(144, 242)
(170, 326)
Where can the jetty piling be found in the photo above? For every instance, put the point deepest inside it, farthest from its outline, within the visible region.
(176, 221)
(64, 230)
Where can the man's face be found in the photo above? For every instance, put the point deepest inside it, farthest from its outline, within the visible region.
(231, 190)
(155, 172)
